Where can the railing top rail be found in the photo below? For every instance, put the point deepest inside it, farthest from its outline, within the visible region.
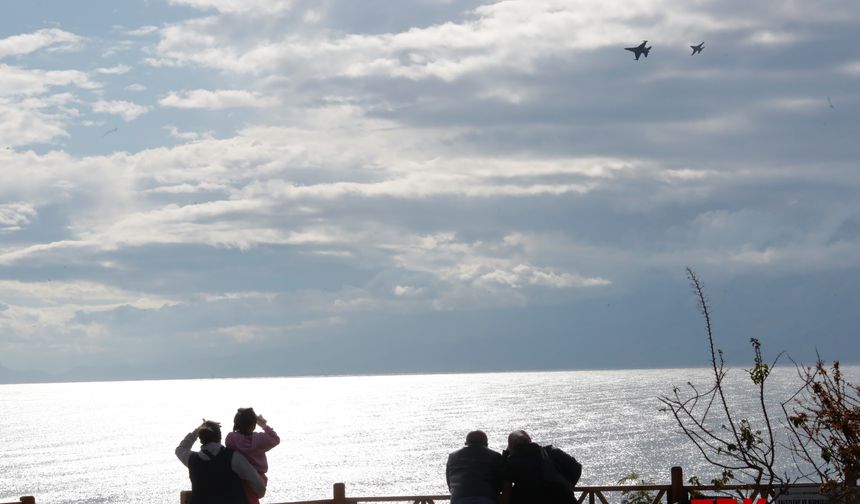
(749, 487)
(584, 488)
(619, 488)
(399, 498)
(318, 501)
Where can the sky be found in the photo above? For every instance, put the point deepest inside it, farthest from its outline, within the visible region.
(279, 187)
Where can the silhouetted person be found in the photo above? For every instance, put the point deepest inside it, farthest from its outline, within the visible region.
(216, 472)
(474, 473)
(536, 474)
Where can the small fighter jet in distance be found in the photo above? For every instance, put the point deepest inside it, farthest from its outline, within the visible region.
(108, 132)
(697, 48)
(639, 50)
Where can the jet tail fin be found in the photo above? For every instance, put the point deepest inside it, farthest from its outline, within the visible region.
(645, 50)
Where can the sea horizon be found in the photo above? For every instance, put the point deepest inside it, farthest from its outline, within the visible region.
(384, 373)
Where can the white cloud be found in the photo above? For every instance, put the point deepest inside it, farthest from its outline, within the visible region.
(35, 120)
(218, 99)
(511, 36)
(135, 87)
(19, 45)
(13, 216)
(311, 16)
(772, 38)
(852, 68)
(522, 275)
(188, 135)
(53, 306)
(127, 110)
(407, 291)
(114, 70)
(21, 81)
(143, 30)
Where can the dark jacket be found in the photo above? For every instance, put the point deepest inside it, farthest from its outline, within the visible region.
(541, 475)
(474, 471)
(213, 481)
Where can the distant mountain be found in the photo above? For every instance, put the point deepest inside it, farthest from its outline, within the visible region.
(11, 376)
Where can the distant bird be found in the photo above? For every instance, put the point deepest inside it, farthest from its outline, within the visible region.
(108, 132)
(830, 103)
(697, 48)
(639, 50)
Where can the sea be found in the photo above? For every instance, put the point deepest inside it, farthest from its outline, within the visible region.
(113, 442)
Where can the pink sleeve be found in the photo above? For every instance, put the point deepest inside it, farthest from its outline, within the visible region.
(267, 439)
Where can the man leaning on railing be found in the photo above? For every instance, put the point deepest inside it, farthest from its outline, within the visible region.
(474, 473)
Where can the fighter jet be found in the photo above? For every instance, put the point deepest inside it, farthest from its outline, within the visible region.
(639, 50)
(697, 48)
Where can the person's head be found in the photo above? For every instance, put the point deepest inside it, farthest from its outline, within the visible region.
(517, 439)
(476, 438)
(211, 432)
(244, 421)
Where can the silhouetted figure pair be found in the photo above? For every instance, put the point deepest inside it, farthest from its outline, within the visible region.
(232, 474)
(217, 473)
(525, 473)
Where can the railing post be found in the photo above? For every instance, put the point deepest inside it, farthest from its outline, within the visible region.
(339, 493)
(28, 500)
(677, 492)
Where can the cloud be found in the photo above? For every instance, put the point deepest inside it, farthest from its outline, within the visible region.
(21, 81)
(851, 68)
(188, 135)
(127, 110)
(35, 120)
(407, 291)
(48, 312)
(143, 30)
(508, 159)
(512, 36)
(215, 100)
(13, 216)
(772, 38)
(19, 45)
(114, 70)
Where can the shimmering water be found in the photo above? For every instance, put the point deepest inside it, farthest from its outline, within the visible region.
(381, 435)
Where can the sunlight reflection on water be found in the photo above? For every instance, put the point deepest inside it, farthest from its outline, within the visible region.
(381, 435)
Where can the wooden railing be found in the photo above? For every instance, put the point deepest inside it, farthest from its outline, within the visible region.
(675, 492)
(23, 500)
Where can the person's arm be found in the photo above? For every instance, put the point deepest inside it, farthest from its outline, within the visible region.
(267, 439)
(567, 465)
(183, 451)
(246, 472)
